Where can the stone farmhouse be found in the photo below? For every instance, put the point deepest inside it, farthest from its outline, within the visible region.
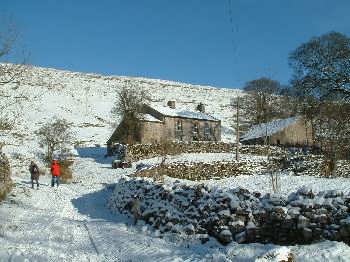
(293, 131)
(159, 124)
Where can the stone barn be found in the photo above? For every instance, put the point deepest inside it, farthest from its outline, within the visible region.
(293, 131)
(159, 124)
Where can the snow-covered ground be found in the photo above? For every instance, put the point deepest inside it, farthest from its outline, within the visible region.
(202, 157)
(72, 223)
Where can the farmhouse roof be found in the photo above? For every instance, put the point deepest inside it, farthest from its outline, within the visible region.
(148, 118)
(184, 113)
(269, 128)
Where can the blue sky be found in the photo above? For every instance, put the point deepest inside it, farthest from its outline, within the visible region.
(185, 40)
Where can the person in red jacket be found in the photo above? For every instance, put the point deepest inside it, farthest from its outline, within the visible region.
(55, 171)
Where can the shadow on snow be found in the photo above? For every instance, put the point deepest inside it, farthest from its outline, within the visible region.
(96, 153)
(94, 205)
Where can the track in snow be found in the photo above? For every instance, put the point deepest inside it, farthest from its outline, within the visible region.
(72, 223)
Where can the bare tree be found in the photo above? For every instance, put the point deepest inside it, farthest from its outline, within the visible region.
(263, 93)
(9, 72)
(236, 107)
(321, 67)
(8, 46)
(56, 136)
(274, 179)
(129, 106)
(333, 132)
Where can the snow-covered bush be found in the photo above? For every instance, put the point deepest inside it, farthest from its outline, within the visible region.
(6, 124)
(66, 172)
(5, 178)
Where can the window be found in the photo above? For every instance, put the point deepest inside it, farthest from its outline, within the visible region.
(206, 130)
(178, 130)
(195, 128)
(195, 132)
(178, 125)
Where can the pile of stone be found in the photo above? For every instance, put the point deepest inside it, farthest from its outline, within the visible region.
(236, 214)
(5, 176)
(196, 171)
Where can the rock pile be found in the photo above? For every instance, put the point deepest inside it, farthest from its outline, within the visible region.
(5, 179)
(236, 214)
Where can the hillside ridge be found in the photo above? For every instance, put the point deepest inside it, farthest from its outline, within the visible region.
(149, 80)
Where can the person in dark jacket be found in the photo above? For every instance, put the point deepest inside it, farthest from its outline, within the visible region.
(55, 171)
(34, 174)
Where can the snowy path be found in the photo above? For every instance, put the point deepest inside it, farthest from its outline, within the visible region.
(49, 226)
(72, 223)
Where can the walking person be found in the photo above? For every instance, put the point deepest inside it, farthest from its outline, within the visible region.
(34, 174)
(55, 172)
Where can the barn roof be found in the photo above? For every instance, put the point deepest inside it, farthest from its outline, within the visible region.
(269, 128)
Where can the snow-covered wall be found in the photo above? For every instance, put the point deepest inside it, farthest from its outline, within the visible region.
(197, 171)
(235, 214)
(143, 151)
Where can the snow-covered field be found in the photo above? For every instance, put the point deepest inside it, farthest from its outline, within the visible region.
(72, 223)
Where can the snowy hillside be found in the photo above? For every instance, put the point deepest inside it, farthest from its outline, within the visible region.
(72, 222)
(86, 100)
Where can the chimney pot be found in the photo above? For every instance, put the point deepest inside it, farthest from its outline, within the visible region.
(171, 104)
(201, 107)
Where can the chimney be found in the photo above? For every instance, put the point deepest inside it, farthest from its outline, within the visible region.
(201, 108)
(171, 104)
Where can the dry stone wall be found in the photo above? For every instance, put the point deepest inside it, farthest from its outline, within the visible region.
(343, 168)
(280, 160)
(235, 214)
(314, 165)
(144, 151)
(203, 171)
(5, 178)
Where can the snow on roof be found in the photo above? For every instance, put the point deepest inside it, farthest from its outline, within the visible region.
(149, 118)
(269, 128)
(176, 112)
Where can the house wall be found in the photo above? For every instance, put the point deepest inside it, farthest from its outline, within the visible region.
(299, 133)
(120, 136)
(159, 132)
(152, 132)
(187, 134)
